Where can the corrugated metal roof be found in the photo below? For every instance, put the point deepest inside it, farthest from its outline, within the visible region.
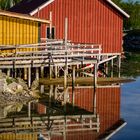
(33, 6)
(22, 16)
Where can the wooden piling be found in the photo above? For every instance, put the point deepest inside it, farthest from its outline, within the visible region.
(50, 71)
(29, 77)
(112, 63)
(73, 85)
(119, 66)
(37, 73)
(14, 70)
(42, 89)
(55, 71)
(8, 72)
(25, 73)
(42, 71)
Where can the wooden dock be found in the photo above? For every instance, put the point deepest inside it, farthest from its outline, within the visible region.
(84, 80)
(57, 56)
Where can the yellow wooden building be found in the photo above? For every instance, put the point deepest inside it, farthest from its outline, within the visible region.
(18, 136)
(17, 29)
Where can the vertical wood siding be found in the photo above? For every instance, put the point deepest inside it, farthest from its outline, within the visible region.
(14, 136)
(90, 21)
(15, 31)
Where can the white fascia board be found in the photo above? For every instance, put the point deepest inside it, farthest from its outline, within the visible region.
(118, 8)
(41, 7)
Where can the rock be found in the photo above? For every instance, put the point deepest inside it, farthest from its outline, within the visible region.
(14, 93)
(3, 85)
(15, 88)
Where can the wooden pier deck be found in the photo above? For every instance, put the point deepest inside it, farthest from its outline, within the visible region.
(85, 80)
(57, 56)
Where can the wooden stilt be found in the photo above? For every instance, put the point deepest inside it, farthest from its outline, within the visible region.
(29, 77)
(119, 66)
(50, 71)
(20, 73)
(106, 67)
(55, 71)
(77, 71)
(37, 73)
(112, 63)
(8, 72)
(25, 73)
(42, 71)
(14, 70)
(73, 85)
(42, 89)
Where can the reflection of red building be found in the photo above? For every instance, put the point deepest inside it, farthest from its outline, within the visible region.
(107, 103)
(106, 99)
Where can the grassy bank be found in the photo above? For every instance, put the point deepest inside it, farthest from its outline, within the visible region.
(131, 64)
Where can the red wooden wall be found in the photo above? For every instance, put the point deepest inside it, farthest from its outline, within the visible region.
(89, 21)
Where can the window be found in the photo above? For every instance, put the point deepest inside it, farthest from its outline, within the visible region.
(48, 33)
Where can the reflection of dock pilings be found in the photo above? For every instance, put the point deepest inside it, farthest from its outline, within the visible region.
(97, 112)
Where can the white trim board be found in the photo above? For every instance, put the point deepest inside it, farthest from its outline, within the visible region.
(41, 7)
(118, 8)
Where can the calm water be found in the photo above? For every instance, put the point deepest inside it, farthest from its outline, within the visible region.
(130, 111)
(112, 103)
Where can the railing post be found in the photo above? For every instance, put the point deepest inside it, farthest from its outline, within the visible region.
(95, 74)
(51, 25)
(99, 57)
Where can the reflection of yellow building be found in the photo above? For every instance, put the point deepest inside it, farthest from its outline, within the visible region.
(22, 136)
(18, 29)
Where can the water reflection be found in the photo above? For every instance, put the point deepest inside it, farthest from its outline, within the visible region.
(71, 114)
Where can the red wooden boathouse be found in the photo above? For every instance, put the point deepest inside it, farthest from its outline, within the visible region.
(89, 21)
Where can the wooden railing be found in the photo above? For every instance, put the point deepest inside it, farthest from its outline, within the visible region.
(46, 53)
